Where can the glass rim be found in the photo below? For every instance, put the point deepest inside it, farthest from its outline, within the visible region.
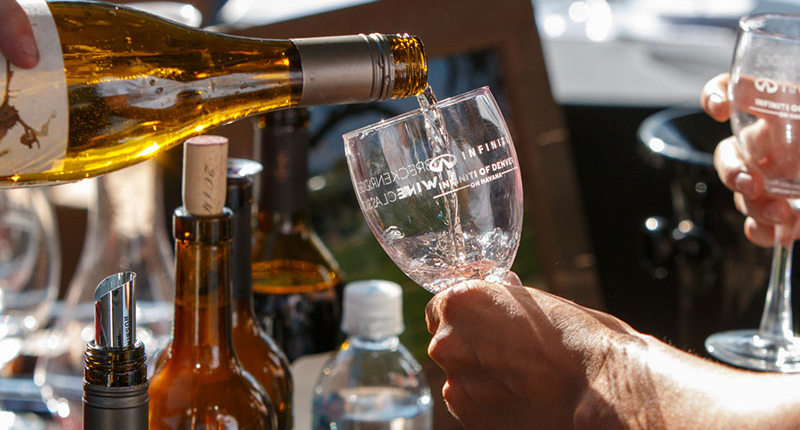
(418, 111)
(754, 23)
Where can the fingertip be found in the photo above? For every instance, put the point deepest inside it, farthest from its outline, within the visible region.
(513, 279)
(26, 54)
(431, 319)
(761, 235)
(734, 173)
(744, 183)
(18, 44)
(714, 98)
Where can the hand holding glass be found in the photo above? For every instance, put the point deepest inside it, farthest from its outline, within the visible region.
(765, 117)
(440, 188)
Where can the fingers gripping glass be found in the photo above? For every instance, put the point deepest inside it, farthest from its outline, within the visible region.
(765, 117)
(440, 188)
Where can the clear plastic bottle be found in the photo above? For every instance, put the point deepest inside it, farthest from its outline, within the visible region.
(372, 382)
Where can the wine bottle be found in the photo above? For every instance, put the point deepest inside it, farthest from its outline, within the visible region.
(115, 85)
(201, 384)
(296, 281)
(125, 231)
(258, 353)
(115, 373)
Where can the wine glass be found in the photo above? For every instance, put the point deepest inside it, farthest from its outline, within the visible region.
(440, 188)
(30, 267)
(765, 117)
(30, 275)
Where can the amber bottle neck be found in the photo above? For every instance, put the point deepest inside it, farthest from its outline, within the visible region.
(242, 295)
(282, 149)
(202, 328)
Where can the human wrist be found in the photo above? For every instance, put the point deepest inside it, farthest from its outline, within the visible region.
(616, 386)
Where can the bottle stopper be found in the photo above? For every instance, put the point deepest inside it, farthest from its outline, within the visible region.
(205, 162)
(115, 311)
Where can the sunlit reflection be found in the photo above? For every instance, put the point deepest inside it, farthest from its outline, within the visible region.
(600, 22)
(656, 145)
(579, 11)
(149, 150)
(554, 26)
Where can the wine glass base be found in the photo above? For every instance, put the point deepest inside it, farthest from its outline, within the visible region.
(749, 350)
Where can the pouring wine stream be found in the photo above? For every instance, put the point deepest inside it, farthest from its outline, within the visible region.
(437, 134)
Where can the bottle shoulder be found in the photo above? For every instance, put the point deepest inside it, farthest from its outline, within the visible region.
(299, 243)
(358, 366)
(253, 346)
(232, 391)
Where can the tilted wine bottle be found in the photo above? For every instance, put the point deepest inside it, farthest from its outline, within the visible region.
(296, 280)
(115, 86)
(201, 384)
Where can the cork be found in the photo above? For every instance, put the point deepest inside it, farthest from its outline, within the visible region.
(205, 163)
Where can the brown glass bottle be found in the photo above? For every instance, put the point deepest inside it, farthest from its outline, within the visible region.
(201, 384)
(296, 281)
(258, 353)
(136, 84)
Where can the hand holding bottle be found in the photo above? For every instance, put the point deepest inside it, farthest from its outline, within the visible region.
(16, 36)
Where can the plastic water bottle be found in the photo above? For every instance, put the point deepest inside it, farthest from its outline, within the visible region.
(372, 382)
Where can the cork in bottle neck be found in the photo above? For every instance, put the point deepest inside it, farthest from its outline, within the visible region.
(202, 295)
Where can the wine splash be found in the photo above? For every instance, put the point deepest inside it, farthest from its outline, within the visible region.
(437, 134)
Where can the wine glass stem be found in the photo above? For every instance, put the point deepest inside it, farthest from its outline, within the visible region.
(776, 321)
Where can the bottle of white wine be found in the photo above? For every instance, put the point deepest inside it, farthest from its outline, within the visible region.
(115, 86)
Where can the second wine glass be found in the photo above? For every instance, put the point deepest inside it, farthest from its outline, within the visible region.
(441, 190)
(765, 117)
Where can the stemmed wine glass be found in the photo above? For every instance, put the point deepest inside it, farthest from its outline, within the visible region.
(765, 117)
(30, 266)
(440, 188)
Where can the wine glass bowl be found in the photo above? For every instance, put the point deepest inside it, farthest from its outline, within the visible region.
(440, 188)
(30, 261)
(764, 89)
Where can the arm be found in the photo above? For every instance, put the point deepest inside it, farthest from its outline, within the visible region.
(16, 36)
(519, 358)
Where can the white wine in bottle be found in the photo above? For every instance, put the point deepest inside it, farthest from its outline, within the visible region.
(116, 86)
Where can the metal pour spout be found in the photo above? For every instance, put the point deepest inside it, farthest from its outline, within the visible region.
(115, 311)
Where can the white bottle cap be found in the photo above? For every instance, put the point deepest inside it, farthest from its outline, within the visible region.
(373, 308)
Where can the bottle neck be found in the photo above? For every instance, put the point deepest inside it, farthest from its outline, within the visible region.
(242, 259)
(284, 193)
(374, 343)
(361, 68)
(202, 329)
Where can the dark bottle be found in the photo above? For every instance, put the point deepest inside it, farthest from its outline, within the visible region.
(257, 352)
(115, 373)
(296, 281)
(200, 384)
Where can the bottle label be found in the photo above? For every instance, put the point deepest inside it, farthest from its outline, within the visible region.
(34, 120)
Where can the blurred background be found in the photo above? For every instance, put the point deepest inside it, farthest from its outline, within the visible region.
(624, 211)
